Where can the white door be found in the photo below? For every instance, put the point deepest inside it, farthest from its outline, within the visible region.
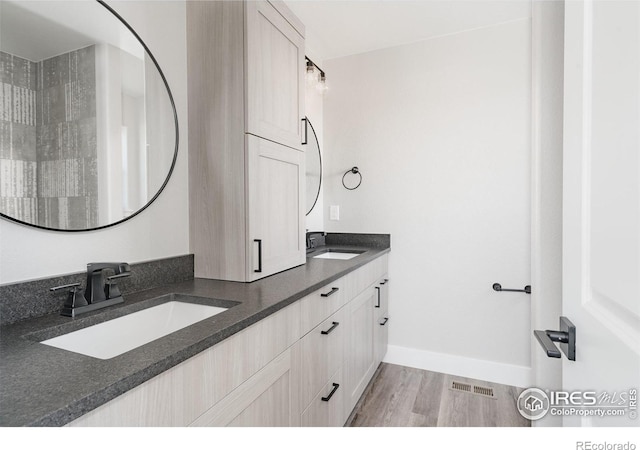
(601, 249)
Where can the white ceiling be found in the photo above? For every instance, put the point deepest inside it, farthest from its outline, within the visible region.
(37, 30)
(338, 28)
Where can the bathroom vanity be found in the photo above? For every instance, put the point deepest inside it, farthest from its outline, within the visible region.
(296, 348)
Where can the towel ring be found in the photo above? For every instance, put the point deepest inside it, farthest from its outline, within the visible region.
(355, 171)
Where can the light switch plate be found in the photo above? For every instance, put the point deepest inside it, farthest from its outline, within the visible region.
(334, 212)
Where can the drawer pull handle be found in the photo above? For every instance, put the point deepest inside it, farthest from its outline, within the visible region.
(386, 319)
(384, 281)
(333, 391)
(331, 292)
(305, 121)
(259, 269)
(334, 325)
(378, 304)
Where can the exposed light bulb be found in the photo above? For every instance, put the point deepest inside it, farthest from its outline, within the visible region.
(311, 76)
(322, 84)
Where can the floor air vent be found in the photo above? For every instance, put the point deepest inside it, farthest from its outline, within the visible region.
(482, 391)
(457, 386)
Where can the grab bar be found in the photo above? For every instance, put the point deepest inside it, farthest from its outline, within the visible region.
(498, 287)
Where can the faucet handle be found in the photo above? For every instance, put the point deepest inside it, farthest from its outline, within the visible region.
(74, 298)
(116, 276)
(124, 268)
(111, 289)
(72, 287)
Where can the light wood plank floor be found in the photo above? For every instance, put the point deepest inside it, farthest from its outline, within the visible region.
(400, 396)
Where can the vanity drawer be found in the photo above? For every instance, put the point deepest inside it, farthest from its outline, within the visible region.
(321, 353)
(326, 409)
(316, 307)
(363, 277)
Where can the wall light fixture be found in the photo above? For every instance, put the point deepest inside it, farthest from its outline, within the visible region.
(316, 76)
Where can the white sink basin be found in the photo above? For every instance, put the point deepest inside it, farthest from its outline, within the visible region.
(117, 336)
(336, 255)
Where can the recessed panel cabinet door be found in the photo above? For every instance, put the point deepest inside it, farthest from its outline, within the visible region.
(381, 319)
(381, 337)
(276, 208)
(264, 400)
(274, 75)
(359, 353)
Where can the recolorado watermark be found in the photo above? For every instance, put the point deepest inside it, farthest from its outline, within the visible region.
(534, 404)
(588, 445)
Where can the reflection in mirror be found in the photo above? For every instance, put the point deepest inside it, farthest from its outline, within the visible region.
(88, 131)
(314, 166)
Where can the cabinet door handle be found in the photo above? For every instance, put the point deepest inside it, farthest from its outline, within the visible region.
(333, 391)
(331, 292)
(334, 325)
(304, 121)
(378, 289)
(386, 319)
(259, 241)
(384, 281)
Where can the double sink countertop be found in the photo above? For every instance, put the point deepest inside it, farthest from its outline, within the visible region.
(47, 386)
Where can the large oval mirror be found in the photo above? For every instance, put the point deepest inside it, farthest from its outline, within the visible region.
(88, 127)
(313, 166)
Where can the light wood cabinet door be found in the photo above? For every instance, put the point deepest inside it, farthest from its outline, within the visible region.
(381, 337)
(326, 409)
(265, 400)
(360, 360)
(381, 319)
(276, 208)
(274, 75)
(321, 356)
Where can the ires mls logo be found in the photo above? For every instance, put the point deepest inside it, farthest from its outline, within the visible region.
(534, 403)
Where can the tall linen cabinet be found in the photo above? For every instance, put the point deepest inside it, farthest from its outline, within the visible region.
(246, 160)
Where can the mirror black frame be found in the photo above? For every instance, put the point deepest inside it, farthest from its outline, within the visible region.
(175, 153)
(308, 123)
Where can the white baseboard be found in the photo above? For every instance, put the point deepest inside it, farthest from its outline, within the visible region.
(478, 369)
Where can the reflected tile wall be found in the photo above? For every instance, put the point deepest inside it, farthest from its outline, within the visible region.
(48, 139)
(18, 156)
(67, 141)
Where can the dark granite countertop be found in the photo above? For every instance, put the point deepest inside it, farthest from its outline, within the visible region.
(46, 386)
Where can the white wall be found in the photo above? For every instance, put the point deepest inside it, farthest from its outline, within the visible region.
(160, 231)
(440, 130)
